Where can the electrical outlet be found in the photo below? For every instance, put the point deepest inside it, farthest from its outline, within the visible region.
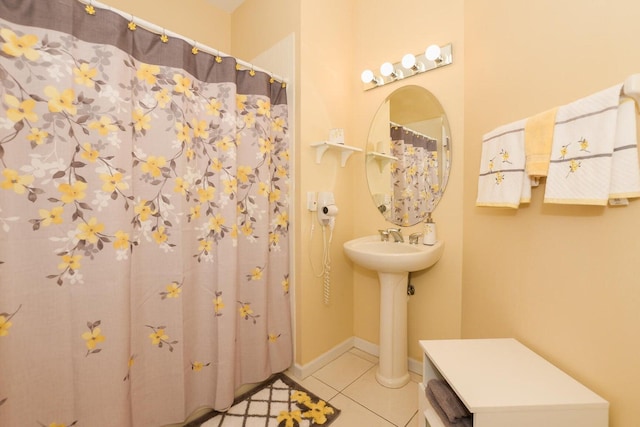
(312, 203)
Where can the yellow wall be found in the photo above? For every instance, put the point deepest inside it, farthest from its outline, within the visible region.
(195, 19)
(562, 279)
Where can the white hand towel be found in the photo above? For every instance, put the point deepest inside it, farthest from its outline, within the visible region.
(503, 181)
(580, 165)
(625, 170)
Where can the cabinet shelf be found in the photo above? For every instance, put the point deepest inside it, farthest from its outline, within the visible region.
(346, 150)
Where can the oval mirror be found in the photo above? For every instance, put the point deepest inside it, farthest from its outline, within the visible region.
(408, 155)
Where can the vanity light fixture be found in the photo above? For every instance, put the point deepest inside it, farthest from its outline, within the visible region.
(433, 57)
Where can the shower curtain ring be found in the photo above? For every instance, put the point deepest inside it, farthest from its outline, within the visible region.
(89, 8)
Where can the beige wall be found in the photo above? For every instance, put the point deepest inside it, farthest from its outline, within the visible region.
(562, 279)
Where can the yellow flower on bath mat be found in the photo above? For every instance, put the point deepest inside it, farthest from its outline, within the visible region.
(300, 397)
(292, 419)
(318, 411)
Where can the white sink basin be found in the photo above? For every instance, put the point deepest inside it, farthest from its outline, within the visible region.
(391, 257)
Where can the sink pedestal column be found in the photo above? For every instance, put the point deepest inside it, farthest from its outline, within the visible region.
(393, 369)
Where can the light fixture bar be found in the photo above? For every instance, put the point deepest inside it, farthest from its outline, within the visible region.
(411, 68)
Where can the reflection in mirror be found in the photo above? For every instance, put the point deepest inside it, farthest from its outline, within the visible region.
(408, 155)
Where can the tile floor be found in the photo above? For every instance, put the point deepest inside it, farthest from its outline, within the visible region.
(350, 384)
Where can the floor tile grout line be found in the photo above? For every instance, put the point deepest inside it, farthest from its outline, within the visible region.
(369, 410)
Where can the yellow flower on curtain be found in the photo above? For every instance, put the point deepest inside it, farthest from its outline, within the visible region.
(173, 290)
(278, 124)
(234, 231)
(281, 172)
(206, 194)
(198, 366)
(19, 46)
(113, 182)
(70, 262)
(245, 310)
(148, 73)
(163, 97)
(273, 337)
(274, 195)
(121, 241)
(20, 110)
(247, 229)
(141, 121)
(85, 74)
(153, 166)
(183, 85)
(16, 182)
(256, 274)
(243, 173)
(5, 324)
(61, 101)
(89, 231)
(266, 145)
(230, 185)
(181, 186)
(144, 209)
(205, 246)
(282, 220)
(225, 143)
(291, 419)
(72, 192)
(218, 304)
(158, 336)
(213, 107)
(216, 165)
(264, 107)
(285, 284)
(37, 136)
(241, 103)
(216, 223)
(200, 128)
(263, 189)
(249, 120)
(89, 153)
(54, 216)
(159, 235)
(104, 126)
(93, 338)
(194, 212)
(183, 132)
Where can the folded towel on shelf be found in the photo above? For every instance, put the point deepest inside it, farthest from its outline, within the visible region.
(582, 150)
(625, 170)
(442, 402)
(538, 137)
(503, 181)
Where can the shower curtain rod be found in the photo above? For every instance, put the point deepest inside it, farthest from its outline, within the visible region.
(160, 31)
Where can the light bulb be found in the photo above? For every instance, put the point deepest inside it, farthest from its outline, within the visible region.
(433, 52)
(366, 76)
(408, 61)
(386, 69)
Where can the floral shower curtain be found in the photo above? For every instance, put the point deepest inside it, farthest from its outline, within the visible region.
(144, 210)
(414, 175)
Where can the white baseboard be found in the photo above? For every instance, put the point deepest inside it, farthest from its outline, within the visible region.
(303, 371)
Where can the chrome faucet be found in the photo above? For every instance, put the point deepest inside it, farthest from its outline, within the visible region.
(384, 235)
(414, 238)
(396, 233)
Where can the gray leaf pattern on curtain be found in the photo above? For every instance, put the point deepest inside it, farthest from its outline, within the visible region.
(144, 207)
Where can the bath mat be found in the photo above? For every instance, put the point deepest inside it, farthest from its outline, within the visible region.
(279, 402)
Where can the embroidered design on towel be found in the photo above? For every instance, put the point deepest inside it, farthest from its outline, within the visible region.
(502, 178)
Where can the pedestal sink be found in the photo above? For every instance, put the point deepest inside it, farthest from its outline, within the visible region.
(392, 261)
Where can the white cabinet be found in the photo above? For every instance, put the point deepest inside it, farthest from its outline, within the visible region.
(504, 384)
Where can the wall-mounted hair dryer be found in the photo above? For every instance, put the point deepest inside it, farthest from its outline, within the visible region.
(327, 209)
